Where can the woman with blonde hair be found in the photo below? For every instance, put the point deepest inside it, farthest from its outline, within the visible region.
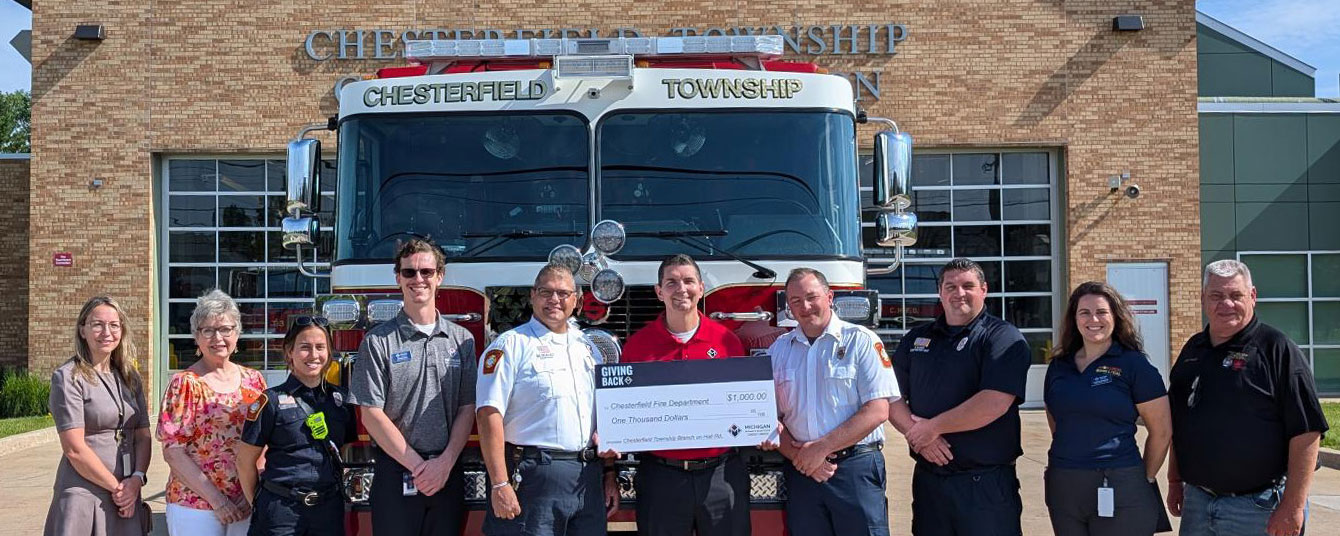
(203, 410)
(97, 400)
(1098, 383)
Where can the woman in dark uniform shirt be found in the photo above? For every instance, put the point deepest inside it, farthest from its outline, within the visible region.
(303, 422)
(1098, 382)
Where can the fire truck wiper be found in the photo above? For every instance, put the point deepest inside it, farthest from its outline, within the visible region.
(691, 239)
(498, 239)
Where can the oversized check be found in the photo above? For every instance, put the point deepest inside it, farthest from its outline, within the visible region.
(685, 404)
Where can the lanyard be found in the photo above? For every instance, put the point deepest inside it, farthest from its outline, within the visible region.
(120, 403)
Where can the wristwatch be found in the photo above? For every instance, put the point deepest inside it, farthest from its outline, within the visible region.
(144, 479)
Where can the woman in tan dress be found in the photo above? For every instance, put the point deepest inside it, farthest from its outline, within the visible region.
(97, 400)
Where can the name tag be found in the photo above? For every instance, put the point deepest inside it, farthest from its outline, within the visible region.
(1101, 380)
(400, 357)
(286, 401)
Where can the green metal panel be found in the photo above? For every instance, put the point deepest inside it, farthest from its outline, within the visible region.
(1316, 193)
(1217, 227)
(1234, 75)
(1269, 149)
(1209, 256)
(1289, 82)
(1271, 193)
(1211, 42)
(1216, 193)
(1324, 222)
(1216, 149)
(1323, 148)
(1272, 226)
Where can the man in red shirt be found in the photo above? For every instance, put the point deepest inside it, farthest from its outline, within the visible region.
(680, 491)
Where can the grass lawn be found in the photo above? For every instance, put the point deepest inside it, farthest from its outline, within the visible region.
(19, 425)
(1332, 439)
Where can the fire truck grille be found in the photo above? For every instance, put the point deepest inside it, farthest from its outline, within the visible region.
(509, 307)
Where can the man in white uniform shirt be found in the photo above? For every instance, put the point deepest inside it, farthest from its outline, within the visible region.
(536, 404)
(834, 383)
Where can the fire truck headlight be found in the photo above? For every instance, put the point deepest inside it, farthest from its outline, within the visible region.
(340, 311)
(383, 310)
(606, 344)
(857, 307)
(567, 256)
(607, 286)
(608, 237)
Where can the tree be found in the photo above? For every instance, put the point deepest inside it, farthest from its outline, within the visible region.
(15, 121)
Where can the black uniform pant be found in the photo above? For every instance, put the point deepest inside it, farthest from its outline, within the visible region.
(394, 513)
(1072, 501)
(850, 503)
(557, 497)
(273, 515)
(983, 502)
(673, 502)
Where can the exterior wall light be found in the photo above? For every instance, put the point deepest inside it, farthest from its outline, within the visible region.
(89, 32)
(1128, 23)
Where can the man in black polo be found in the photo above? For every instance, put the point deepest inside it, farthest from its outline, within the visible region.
(1246, 420)
(962, 379)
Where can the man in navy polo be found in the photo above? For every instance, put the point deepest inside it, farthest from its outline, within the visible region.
(687, 491)
(962, 379)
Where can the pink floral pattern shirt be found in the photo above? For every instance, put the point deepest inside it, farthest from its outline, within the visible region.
(207, 424)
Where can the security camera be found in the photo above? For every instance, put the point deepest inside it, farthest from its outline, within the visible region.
(1133, 191)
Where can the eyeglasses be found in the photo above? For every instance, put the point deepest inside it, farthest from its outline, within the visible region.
(105, 327)
(547, 293)
(223, 331)
(409, 273)
(1194, 397)
(305, 320)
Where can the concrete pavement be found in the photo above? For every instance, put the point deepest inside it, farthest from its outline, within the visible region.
(27, 476)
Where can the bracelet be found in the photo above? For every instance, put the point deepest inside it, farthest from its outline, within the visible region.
(500, 485)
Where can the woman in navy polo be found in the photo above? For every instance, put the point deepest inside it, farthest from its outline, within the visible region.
(1098, 382)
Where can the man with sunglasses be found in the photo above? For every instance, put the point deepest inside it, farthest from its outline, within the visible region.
(1246, 419)
(536, 400)
(414, 379)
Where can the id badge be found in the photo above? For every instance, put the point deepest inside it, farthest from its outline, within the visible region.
(127, 468)
(1107, 503)
(408, 483)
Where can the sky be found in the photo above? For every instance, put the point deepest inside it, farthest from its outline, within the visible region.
(1305, 29)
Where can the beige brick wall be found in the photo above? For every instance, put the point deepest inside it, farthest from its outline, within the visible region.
(220, 77)
(14, 262)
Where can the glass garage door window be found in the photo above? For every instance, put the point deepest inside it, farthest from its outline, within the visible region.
(221, 230)
(1297, 293)
(998, 208)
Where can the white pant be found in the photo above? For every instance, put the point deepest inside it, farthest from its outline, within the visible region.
(184, 521)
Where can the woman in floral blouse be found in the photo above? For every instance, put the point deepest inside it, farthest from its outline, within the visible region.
(203, 411)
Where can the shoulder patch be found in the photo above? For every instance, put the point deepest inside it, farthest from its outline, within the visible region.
(491, 360)
(255, 407)
(883, 356)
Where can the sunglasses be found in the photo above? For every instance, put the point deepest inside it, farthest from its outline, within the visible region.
(304, 321)
(409, 273)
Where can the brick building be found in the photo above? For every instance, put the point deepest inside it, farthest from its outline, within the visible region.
(157, 155)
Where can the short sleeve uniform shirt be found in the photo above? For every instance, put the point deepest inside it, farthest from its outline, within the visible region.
(1094, 410)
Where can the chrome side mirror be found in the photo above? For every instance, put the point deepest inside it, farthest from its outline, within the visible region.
(299, 232)
(896, 229)
(304, 172)
(893, 169)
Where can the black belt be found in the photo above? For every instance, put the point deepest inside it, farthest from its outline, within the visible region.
(587, 454)
(690, 465)
(305, 496)
(1250, 493)
(854, 450)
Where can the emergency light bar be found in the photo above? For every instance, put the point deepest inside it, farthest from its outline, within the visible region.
(757, 46)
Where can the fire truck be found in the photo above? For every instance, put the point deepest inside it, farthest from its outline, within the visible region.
(606, 155)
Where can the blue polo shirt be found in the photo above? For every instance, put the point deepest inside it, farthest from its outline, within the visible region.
(1094, 410)
(939, 366)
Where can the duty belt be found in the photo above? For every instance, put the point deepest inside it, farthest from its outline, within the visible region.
(854, 450)
(1250, 493)
(305, 496)
(587, 454)
(690, 465)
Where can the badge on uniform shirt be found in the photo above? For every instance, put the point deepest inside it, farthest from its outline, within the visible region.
(287, 401)
(961, 343)
(400, 357)
(1109, 370)
(883, 356)
(841, 352)
(1101, 379)
(1236, 361)
(255, 407)
(491, 360)
(921, 344)
(338, 397)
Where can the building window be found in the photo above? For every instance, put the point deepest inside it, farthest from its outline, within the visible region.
(1298, 294)
(995, 207)
(221, 230)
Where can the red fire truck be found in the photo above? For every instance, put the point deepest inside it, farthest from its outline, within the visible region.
(607, 155)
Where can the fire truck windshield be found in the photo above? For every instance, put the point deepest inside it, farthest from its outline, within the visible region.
(496, 185)
(780, 184)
